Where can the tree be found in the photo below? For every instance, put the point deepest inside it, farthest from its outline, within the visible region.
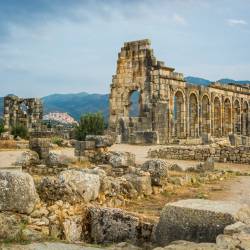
(90, 124)
(1, 126)
(19, 130)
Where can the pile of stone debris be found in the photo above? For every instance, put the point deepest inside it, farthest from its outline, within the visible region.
(81, 205)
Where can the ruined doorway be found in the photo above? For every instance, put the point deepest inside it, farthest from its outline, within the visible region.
(205, 115)
(179, 115)
(227, 125)
(193, 116)
(217, 117)
(244, 120)
(236, 117)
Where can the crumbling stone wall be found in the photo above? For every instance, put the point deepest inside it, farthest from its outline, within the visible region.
(169, 107)
(240, 154)
(27, 112)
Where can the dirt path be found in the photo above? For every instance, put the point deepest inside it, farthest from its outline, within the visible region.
(8, 157)
(234, 190)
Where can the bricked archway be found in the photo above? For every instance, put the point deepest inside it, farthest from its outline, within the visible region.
(217, 117)
(193, 116)
(179, 114)
(227, 124)
(244, 120)
(205, 115)
(236, 117)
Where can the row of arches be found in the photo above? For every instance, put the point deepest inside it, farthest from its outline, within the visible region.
(220, 117)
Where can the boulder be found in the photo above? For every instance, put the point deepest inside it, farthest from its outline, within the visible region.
(17, 192)
(84, 184)
(142, 183)
(72, 228)
(107, 225)
(121, 159)
(208, 165)
(59, 160)
(158, 170)
(195, 220)
(72, 186)
(101, 141)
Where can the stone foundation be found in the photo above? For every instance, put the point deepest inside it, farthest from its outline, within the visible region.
(239, 154)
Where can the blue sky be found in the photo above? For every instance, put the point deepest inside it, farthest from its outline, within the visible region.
(67, 46)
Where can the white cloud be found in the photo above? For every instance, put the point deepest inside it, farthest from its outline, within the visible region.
(179, 19)
(236, 22)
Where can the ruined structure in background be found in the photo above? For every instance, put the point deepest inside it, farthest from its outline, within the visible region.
(27, 112)
(168, 107)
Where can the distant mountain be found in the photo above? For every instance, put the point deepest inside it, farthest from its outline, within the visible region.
(81, 103)
(76, 104)
(197, 80)
(226, 81)
(202, 81)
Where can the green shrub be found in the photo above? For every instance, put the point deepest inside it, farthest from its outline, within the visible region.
(57, 140)
(19, 131)
(1, 126)
(90, 124)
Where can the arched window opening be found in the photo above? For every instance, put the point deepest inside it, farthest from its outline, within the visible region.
(236, 117)
(217, 117)
(193, 116)
(205, 115)
(227, 117)
(179, 115)
(135, 104)
(244, 120)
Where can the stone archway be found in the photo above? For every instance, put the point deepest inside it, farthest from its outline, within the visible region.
(217, 117)
(134, 103)
(205, 115)
(193, 116)
(179, 115)
(227, 124)
(236, 117)
(244, 119)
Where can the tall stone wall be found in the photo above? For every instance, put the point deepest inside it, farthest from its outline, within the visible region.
(169, 107)
(27, 112)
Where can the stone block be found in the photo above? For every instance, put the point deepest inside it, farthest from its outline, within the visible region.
(195, 220)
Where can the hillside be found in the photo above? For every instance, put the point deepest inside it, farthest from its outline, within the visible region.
(76, 104)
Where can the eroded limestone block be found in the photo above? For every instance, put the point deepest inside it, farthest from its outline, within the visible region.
(121, 159)
(142, 183)
(72, 186)
(112, 225)
(195, 220)
(101, 141)
(158, 170)
(17, 192)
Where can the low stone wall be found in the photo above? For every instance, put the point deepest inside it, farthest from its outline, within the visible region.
(239, 154)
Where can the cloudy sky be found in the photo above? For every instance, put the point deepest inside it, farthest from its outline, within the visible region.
(67, 46)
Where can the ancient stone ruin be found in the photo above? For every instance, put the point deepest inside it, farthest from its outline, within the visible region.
(27, 112)
(169, 107)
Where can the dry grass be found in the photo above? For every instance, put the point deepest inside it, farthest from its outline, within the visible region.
(11, 144)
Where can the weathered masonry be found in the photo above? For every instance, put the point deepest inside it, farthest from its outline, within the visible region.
(18, 111)
(169, 107)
